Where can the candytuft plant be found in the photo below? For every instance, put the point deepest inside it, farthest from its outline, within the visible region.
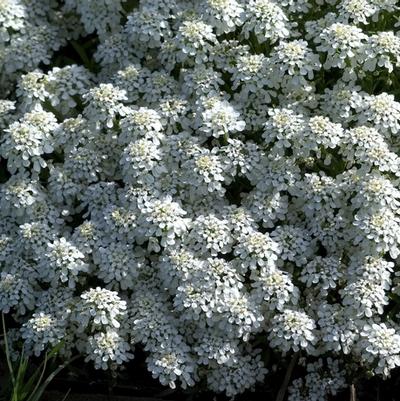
(214, 181)
(25, 382)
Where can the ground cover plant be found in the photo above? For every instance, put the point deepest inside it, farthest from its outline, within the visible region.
(216, 182)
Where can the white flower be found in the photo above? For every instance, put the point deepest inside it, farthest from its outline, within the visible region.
(294, 330)
(63, 262)
(158, 85)
(104, 103)
(256, 249)
(364, 297)
(343, 45)
(296, 59)
(7, 108)
(294, 242)
(251, 73)
(201, 80)
(195, 302)
(236, 378)
(194, 41)
(342, 101)
(100, 15)
(20, 195)
(29, 47)
(282, 126)
(211, 346)
(367, 146)
(221, 120)
(204, 172)
(42, 330)
(84, 164)
(374, 269)
(275, 287)
(173, 111)
(120, 223)
(209, 233)
(267, 20)
(266, 207)
(382, 112)
(164, 218)
(170, 365)
(31, 89)
(382, 50)
(380, 347)
(141, 162)
(26, 141)
(131, 79)
(241, 315)
(224, 15)
(117, 264)
(375, 191)
(16, 292)
(356, 11)
(324, 272)
(382, 227)
(147, 27)
(99, 307)
(113, 53)
(226, 52)
(107, 350)
(12, 15)
(338, 332)
(141, 123)
(324, 132)
(151, 320)
(320, 382)
(63, 84)
(178, 266)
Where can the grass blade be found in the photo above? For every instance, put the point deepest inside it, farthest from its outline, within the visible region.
(10, 367)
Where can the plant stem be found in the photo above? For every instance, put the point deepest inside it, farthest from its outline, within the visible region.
(10, 368)
(353, 392)
(82, 54)
(288, 375)
(41, 374)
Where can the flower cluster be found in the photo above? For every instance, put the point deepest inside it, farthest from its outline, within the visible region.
(212, 181)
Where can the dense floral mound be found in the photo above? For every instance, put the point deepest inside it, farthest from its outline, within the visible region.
(219, 183)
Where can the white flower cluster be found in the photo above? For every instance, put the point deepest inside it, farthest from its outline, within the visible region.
(323, 378)
(213, 181)
(30, 33)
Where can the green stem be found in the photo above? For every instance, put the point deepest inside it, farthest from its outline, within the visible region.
(82, 54)
(10, 368)
(41, 375)
(288, 375)
(53, 110)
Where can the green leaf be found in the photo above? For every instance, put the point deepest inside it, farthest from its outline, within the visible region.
(44, 365)
(39, 390)
(9, 364)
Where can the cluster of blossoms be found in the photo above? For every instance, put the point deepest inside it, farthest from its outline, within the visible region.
(222, 179)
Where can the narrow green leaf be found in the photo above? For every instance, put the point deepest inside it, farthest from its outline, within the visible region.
(10, 367)
(40, 377)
